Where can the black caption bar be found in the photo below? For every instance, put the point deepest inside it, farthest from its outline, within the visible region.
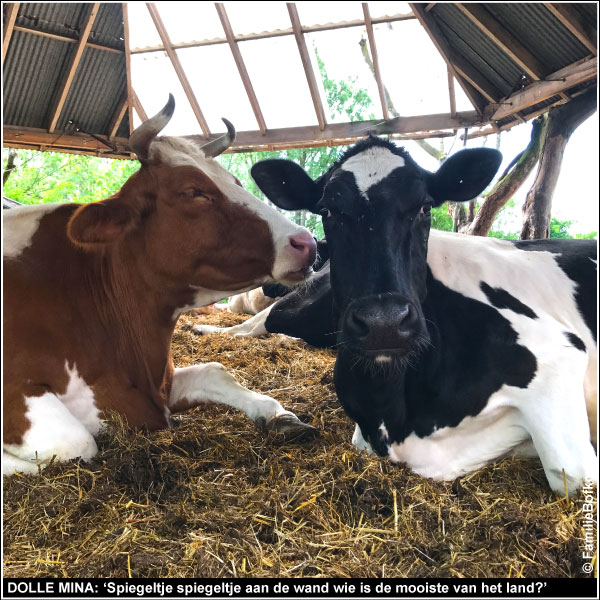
(299, 588)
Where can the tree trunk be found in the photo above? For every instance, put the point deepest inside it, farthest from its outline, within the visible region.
(511, 180)
(10, 165)
(562, 122)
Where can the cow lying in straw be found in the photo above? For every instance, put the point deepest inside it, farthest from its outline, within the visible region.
(452, 350)
(92, 294)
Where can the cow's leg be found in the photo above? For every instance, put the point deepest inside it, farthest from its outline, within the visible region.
(53, 433)
(359, 442)
(253, 327)
(554, 413)
(210, 382)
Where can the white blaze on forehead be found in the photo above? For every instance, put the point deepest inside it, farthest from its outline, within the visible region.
(19, 226)
(371, 166)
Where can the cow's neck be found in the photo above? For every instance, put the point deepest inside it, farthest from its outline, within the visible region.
(136, 315)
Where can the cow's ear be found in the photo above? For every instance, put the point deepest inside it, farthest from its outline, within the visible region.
(464, 175)
(286, 184)
(100, 223)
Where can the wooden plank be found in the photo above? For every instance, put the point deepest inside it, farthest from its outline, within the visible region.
(64, 38)
(72, 68)
(508, 43)
(430, 6)
(12, 10)
(77, 141)
(306, 64)
(118, 117)
(187, 88)
(239, 61)
(440, 125)
(278, 33)
(476, 79)
(554, 84)
(375, 59)
(130, 92)
(349, 131)
(437, 37)
(138, 107)
(585, 32)
(451, 94)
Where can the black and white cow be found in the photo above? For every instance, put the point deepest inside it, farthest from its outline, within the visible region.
(453, 350)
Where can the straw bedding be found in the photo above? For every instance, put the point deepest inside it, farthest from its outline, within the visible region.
(216, 497)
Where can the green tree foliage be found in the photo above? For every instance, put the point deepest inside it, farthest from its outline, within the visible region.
(41, 177)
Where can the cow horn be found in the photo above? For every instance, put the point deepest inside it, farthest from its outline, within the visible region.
(141, 138)
(218, 146)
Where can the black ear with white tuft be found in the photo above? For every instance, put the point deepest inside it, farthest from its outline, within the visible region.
(464, 175)
(286, 184)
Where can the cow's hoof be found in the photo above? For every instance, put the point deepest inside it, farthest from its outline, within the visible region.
(290, 426)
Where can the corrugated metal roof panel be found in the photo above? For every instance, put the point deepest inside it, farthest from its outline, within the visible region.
(107, 29)
(32, 73)
(468, 41)
(540, 32)
(99, 87)
(63, 18)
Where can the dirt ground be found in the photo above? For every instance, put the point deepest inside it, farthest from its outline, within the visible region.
(216, 497)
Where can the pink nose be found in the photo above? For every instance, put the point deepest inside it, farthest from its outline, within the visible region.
(304, 244)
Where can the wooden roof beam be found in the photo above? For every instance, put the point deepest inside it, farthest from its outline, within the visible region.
(239, 61)
(117, 119)
(187, 88)
(437, 37)
(509, 44)
(72, 68)
(451, 94)
(142, 114)
(585, 32)
(554, 84)
(305, 57)
(245, 37)
(130, 92)
(64, 38)
(375, 59)
(12, 10)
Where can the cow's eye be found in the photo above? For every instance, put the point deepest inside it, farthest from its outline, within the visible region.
(325, 212)
(426, 209)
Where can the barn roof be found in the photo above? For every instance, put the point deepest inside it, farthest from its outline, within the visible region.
(68, 70)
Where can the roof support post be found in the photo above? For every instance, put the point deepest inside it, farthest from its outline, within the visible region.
(172, 54)
(305, 57)
(239, 61)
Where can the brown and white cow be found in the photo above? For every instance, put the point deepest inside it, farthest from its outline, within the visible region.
(92, 293)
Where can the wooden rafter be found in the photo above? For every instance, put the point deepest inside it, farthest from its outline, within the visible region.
(117, 119)
(552, 85)
(451, 94)
(64, 38)
(431, 27)
(72, 69)
(420, 127)
(375, 59)
(278, 33)
(308, 70)
(128, 65)
(571, 19)
(12, 10)
(509, 44)
(187, 88)
(239, 61)
(138, 107)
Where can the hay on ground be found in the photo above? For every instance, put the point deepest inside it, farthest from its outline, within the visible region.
(216, 497)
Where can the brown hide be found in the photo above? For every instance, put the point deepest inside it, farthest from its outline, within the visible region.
(111, 286)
